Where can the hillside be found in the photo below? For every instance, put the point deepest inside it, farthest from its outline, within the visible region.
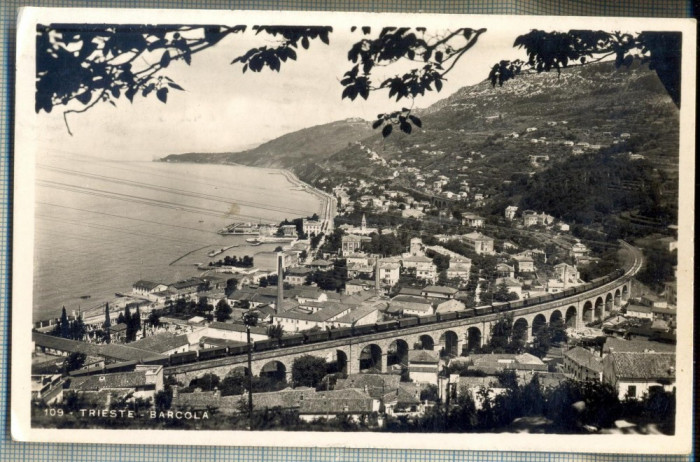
(308, 145)
(508, 143)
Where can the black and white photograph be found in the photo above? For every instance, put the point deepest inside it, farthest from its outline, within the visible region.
(369, 230)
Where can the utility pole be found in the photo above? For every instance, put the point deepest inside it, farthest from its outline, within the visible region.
(250, 319)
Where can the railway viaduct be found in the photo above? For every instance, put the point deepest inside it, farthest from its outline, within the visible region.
(383, 349)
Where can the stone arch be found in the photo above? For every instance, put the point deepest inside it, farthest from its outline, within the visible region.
(588, 311)
(520, 329)
(371, 358)
(608, 303)
(239, 370)
(555, 317)
(598, 311)
(449, 341)
(275, 370)
(426, 341)
(571, 314)
(473, 338)
(397, 353)
(625, 294)
(341, 361)
(618, 301)
(538, 323)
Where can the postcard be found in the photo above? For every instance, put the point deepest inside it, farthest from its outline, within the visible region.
(353, 230)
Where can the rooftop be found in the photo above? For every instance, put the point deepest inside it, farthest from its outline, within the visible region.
(423, 356)
(441, 290)
(161, 343)
(643, 366)
(231, 327)
(585, 358)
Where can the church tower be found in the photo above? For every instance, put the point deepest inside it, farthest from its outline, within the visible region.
(363, 224)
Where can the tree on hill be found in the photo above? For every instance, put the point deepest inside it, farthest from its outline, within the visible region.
(223, 310)
(308, 371)
(549, 51)
(74, 361)
(65, 326)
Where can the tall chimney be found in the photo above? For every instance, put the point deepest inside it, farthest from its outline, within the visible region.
(377, 284)
(280, 283)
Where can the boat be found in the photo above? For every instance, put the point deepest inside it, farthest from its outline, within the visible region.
(253, 240)
(119, 294)
(85, 297)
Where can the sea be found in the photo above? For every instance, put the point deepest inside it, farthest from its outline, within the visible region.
(102, 225)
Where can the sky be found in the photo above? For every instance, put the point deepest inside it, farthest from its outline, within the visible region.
(224, 110)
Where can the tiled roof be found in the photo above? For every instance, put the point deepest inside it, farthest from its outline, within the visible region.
(359, 312)
(330, 311)
(100, 382)
(643, 366)
(638, 308)
(418, 259)
(477, 382)
(162, 342)
(410, 291)
(286, 399)
(441, 290)
(231, 327)
(219, 342)
(423, 356)
(636, 346)
(375, 384)
(584, 358)
(347, 401)
(111, 351)
(145, 285)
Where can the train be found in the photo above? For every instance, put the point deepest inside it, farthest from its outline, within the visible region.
(306, 338)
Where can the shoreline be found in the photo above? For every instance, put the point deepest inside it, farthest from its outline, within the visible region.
(325, 211)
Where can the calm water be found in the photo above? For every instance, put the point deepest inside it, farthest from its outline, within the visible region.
(102, 225)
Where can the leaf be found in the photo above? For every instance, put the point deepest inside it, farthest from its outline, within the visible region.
(116, 92)
(305, 43)
(386, 131)
(84, 97)
(175, 86)
(416, 121)
(162, 94)
(129, 93)
(377, 123)
(405, 127)
(165, 59)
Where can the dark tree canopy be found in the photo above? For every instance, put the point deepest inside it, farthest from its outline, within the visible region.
(89, 64)
(78, 66)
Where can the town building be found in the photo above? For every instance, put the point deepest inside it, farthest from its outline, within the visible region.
(147, 288)
(583, 365)
(350, 403)
(424, 266)
(635, 374)
(459, 268)
(410, 305)
(143, 382)
(441, 292)
(351, 243)
(229, 331)
(578, 251)
(530, 218)
(388, 272)
(510, 212)
(472, 220)
(504, 270)
(289, 230)
(423, 366)
(297, 276)
(479, 243)
(310, 227)
(524, 264)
